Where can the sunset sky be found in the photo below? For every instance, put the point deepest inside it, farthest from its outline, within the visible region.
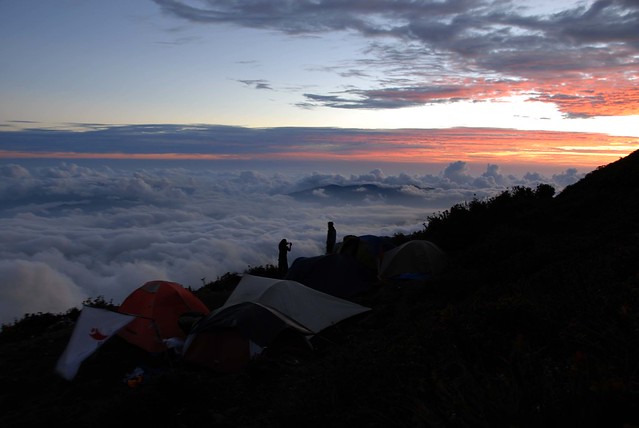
(508, 82)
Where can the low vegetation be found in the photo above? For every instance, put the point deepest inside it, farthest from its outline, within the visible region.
(535, 323)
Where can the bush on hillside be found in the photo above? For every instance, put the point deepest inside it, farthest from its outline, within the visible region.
(469, 222)
(32, 325)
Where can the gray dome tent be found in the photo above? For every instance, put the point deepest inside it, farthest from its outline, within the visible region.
(417, 259)
(228, 339)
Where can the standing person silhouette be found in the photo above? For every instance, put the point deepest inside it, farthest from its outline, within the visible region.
(282, 261)
(331, 236)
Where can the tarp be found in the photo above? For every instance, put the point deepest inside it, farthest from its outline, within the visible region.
(255, 321)
(310, 308)
(92, 329)
(159, 305)
(416, 259)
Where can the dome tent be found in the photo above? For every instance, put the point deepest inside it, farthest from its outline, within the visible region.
(310, 308)
(158, 306)
(416, 259)
(366, 249)
(339, 275)
(260, 312)
(227, 340)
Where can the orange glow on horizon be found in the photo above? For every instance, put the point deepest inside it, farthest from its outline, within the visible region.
(473, 145)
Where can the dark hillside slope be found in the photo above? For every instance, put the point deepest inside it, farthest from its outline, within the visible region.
(552, 297)
(535, 324)
(607, 186)
(525, 229)
(605, 201)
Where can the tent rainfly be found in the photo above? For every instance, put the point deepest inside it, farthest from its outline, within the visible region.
(310, 308)
(227, 340)
(416, 259)
(158, 306)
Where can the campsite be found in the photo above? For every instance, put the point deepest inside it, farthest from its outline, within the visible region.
(520, 310)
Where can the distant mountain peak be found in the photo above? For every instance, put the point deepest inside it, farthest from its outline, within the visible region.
(363, 193)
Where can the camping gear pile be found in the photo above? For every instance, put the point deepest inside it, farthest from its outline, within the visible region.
(260, 315)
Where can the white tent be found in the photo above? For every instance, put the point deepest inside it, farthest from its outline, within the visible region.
(92, 329)
(311, 308)
(416, 258)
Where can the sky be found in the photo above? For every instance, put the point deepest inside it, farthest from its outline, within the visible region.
(526, 85)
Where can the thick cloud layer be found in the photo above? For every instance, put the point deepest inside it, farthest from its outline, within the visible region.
(72, 232)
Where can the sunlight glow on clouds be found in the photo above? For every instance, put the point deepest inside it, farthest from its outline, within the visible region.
(410, 146)
(485, 50)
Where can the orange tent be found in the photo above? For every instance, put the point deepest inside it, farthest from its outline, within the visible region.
(158, 306)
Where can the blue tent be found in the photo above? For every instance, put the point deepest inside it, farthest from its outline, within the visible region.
(339, 275)
(368, 250)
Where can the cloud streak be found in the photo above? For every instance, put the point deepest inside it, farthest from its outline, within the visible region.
(583, 59)
(212, 142)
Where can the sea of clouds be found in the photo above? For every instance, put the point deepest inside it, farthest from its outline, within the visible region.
(71, 232)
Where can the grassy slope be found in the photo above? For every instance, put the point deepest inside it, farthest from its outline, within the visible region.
(536, 323)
